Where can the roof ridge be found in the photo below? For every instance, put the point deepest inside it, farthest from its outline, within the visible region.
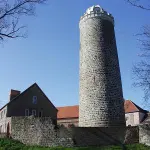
(46, 96)
(18, 95)
(24, 91)
(67, 106)
(138, 107)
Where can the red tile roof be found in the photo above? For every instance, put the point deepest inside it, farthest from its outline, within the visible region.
(68, 112)
(130, 107)
(73, 111)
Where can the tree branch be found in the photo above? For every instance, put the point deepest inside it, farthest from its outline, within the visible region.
(10, 12)
(134, 3)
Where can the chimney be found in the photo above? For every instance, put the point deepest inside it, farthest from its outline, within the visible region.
(13, 94)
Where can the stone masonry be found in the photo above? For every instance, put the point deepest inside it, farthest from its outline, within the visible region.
(41, 131)
(37, 131)
(144, 131)
(101, 99)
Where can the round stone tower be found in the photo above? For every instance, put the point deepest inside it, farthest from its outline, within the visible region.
(101, 100)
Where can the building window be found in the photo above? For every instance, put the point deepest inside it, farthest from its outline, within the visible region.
(34, 112)
(34, 100)
(26, 112)
(40, 113)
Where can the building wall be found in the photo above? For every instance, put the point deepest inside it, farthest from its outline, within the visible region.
(25, 101)
(68, 122)
(101, 101)
(134, 118)
(4, 121)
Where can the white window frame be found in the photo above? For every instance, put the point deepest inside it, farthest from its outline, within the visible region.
(33, 112)
(34, 99)
(27, 112)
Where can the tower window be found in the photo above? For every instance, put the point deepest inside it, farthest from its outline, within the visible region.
(34, 100)
(26, 112)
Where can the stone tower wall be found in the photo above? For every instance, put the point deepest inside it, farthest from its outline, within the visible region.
(101, 100)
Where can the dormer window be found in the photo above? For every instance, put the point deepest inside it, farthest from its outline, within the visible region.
(34, 100)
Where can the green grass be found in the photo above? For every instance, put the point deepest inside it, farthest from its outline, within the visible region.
(9, 144)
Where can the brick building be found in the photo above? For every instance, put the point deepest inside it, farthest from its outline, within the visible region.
(69, 115)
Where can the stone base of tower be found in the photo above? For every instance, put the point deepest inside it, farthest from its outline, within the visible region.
(103, 124)
(100, 136)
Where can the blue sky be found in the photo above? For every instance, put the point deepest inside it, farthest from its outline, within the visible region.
(50, 54)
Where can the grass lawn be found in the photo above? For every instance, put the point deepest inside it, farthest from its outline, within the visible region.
(7, 144)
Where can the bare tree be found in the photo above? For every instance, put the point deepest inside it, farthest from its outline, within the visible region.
(141, 70)
(10, 13)
(137, 3)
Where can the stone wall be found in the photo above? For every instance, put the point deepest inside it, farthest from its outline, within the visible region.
(3, 135)
(93, 136)
(97, 136)
(144, 134)
(37, 131)
(41, 131)
(132, 135)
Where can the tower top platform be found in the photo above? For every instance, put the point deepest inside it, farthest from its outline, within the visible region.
(97, 11)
